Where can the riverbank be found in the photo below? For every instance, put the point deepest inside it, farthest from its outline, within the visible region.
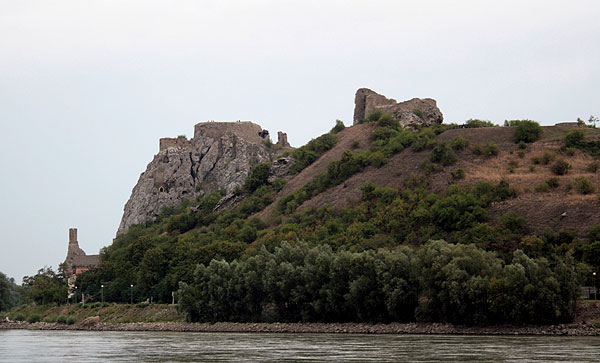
(331, 328)
(155, 317)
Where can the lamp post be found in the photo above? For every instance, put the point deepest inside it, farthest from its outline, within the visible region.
(595, 292)
(131, 293)
(75, 294)
(102, 292)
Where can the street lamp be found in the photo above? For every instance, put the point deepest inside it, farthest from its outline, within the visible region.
(131, 293)
(102, 292)
(75, 294)
(595, 292)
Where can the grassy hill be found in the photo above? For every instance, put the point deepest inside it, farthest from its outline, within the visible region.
(380, 223)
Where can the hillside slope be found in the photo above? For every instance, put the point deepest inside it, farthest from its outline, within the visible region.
(559, 208)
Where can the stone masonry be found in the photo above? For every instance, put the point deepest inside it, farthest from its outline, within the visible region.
(418, 111)
(218, 157)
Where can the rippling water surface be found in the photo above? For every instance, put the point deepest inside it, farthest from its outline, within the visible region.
(80, 346)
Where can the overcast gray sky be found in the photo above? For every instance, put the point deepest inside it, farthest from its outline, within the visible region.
(88, 87)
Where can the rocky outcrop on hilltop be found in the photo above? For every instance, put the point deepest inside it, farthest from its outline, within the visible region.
(411, 113)
(218, 157)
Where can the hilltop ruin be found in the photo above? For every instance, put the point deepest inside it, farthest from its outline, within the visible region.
(218, 158)
(411, 113)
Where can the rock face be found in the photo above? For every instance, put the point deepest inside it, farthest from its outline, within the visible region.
(418, 111)
(218, 157)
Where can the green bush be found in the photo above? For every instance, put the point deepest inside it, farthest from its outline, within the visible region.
(514, 223)
(526, 130)
(71, 320)
(339, 126)
(583, 185)
(548, 157)
(307, 154)
(560, 167)
(418, 112)
(459, 143)
(34, 318)
(458, 174)
(553, 182)
(475, 123)
(376, 159)
(258, 176)
(387, 120)
(574, 139)
(522, 145)
(61, 319)
(542, 188)
(443, 154)
(488, 149)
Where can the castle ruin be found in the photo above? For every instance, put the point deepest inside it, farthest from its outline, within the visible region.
(77, 261)
(411, 113)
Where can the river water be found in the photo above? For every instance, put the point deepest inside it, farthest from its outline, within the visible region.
(83, 346)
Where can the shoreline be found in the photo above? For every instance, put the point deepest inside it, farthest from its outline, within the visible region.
(320, 328)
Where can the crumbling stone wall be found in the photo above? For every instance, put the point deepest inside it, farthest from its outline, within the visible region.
(418, 111)
(218, 157)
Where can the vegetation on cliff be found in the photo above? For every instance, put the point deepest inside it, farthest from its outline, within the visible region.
(426, 250)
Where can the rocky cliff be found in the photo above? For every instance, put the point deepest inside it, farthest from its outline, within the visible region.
(415, 112)
(218, 157)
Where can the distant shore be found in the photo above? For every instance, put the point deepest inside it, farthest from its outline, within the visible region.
(332, 328)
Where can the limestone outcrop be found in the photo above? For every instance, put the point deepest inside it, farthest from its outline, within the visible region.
(218, 157)
(411, 113)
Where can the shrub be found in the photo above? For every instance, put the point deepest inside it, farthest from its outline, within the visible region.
(574, 139)
(61, 319)
(376, 159)
(259, 176)
(443, 154)
(475, 123)
(553, 182)
(560, 167)
(19, 317)
(458, 174)
(307, 154)
(34, 318)
(522, 145)
(583, 185)
(387, 120)
(459, 143)
(542, 188)
(521, 154)
(418, 112)
(339, 126)
(374, 116)
(531, 167)
(487, 149)
(526, 130)
(355, 145)
(513, 222)
(594, 233)
(512, 165)
(548, 157)
(278, 184)
(71, 320)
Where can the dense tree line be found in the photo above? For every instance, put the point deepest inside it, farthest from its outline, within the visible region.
(437, 282)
